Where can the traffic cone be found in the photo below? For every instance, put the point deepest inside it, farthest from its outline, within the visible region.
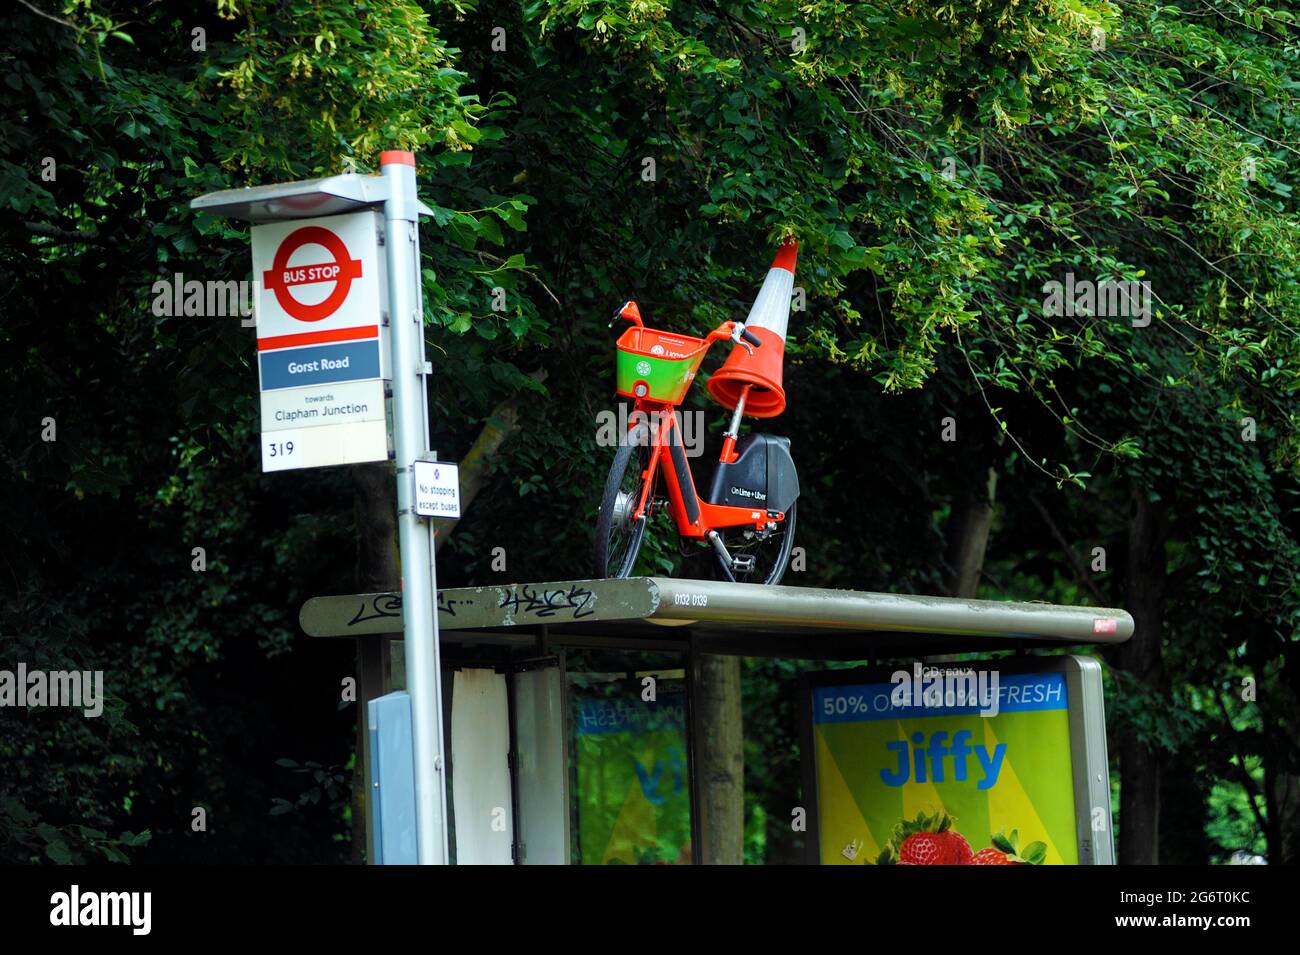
(768, 319)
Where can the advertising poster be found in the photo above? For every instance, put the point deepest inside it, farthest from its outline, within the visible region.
(988, 759)
(633, 790)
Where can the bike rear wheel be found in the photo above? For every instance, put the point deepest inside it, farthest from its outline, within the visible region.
(618, 534)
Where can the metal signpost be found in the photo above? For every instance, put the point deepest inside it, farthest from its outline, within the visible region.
(324, 311)
(411, 439)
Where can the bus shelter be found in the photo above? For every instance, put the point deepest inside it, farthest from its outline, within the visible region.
(577, 731)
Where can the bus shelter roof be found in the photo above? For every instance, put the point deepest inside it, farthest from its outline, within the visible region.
(660, 613)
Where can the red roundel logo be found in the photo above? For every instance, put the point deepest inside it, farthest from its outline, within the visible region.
(341, 271)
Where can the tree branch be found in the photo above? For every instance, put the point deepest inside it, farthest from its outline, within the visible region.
(501, 261)
(1080, 572)
(67, 235)
(53, 19)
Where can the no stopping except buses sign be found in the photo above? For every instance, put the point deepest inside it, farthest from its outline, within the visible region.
(321, 345)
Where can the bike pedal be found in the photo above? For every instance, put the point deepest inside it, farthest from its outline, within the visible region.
(744, 563)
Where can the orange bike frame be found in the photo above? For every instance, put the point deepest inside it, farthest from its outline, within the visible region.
(694, 516)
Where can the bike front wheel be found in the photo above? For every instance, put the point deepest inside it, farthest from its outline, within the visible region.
(618, 534)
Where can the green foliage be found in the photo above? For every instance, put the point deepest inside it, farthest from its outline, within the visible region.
(939, 164)
(327, 793)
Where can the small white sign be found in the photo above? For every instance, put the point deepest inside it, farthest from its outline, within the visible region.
(437, 489)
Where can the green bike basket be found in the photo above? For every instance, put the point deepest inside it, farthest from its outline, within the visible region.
(664, 365)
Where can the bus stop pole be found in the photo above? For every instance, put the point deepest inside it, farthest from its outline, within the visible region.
(419, 583)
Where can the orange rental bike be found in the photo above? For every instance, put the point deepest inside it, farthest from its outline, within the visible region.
(746, 518)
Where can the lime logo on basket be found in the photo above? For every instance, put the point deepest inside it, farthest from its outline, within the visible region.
(643, 368)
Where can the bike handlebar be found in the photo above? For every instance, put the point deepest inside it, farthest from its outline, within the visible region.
(630, 312)
(727, 331)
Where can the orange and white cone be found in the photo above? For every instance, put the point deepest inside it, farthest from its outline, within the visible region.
(768, 319)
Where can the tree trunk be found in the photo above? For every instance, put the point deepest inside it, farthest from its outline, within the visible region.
(1145, 579)
(719, 759)
(501, 424)
(968, 539)
(1282, 798)
(1279, 695)
(377, 569)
